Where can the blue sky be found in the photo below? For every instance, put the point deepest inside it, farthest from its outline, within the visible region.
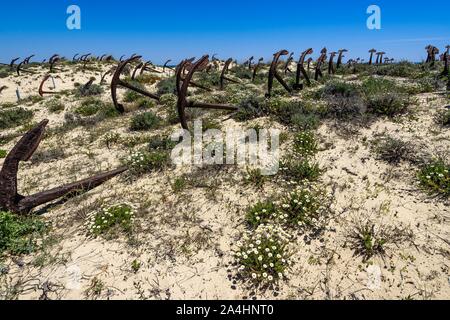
(160, 30)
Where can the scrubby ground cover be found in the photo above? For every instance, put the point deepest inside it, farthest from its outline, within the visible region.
(364, 185)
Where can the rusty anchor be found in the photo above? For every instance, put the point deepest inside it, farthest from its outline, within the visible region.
(116, 81)
(19, 68)
(13, 62)
(446, 61)
(301, 69)
(309, 63)
(274, 74)
(331, 69)
(223, 76)
(340, 56)
(147, 67)
(108, 58)
(27, 59)
(165, 66)
(12, 201)
(288, 63)
(182, 86)
(256, 68)
(432, 52)
(41, 86)
(87, 86)
(319, 63)
(250, 60)
(109, 72)
(186, 67)
(85, 59)
(53, 60)
(133, 75)
(371, 51)
(380, 57)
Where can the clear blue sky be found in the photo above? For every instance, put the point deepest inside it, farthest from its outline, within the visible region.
(160, 30)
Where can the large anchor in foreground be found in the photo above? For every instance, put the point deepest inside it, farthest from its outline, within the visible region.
(182, 85)
(12, 201)
(273, 73)
(116, 81)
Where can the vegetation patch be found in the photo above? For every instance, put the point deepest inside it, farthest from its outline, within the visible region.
(55, 106)
(143, 162)
(118, 217)
(20, 234)
(261, 213)
(392, 150)
(305, 144)
(298, 170)
(443, 118)
(435, 178)
(262, 255)
(368, 239)
(144, 121)
(304, 207)
(11, 118)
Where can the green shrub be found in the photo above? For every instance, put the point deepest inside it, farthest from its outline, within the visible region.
(339, 88)
(305, 120)
(262, 255)
(250, 108)
(375, 86)
(344, 100)
(368, 239)
(443, 118)
(19, 235)
(144, 121)
(435, 178)
(403, 69)
(388, 104)
(14, 117)
(300, 169)
(142, 162)
(166, 86)
(255, 177)
(261, 213)
(132, 96)
(6, 105)
(161, 143)
(108, 110)
(144, 103)
(3, 154)
(120, 216)
(242, 72)
(208, 80)
(93, 90)
(179, 184)
(392, 150)
(303, 207)
(294, 113)
(55, 106)
(305, 144)
(89, 107)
